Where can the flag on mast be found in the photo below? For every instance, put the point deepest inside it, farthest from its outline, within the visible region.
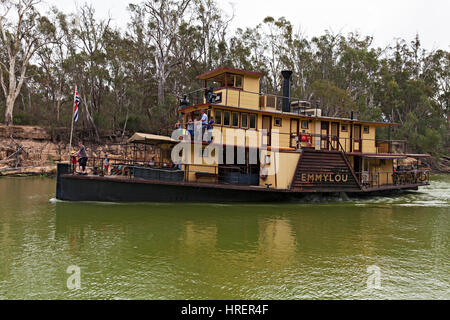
(77, 102)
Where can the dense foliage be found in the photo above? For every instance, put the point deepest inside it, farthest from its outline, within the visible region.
(130, 79)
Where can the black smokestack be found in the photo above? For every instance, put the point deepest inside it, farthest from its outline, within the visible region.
(286, 90)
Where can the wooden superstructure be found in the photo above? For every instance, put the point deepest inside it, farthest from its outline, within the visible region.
(312, 150)
(264, 148)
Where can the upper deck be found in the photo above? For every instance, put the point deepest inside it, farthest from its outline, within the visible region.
(233, 98)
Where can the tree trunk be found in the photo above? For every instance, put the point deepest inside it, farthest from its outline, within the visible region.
(9, 110)
(160, 91)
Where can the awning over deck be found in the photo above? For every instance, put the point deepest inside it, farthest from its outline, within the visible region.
(384, 156)
(414, 155)
(146, 138)
(393, 156)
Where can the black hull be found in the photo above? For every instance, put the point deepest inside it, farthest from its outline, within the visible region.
(113, 189)
(120, 191)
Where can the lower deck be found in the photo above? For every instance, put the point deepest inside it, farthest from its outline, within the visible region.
(73, 187)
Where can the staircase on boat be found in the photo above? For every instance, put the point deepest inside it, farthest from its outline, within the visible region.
(324, 171)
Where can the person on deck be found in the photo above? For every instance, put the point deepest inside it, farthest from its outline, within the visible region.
(197, 129)
(106, 163)
(73, 161)
(204, 120)
(82, 158)
(190, 127)
(209, 129)
(179, 129)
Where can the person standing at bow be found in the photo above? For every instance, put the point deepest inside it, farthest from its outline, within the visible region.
(82, 158)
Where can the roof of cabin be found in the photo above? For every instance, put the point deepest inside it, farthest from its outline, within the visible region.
(146, 138)
(218, 71)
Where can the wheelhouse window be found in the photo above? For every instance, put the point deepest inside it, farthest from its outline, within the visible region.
(366, 129)
(227, 80)
(238, 82)
(277, 122)
(305, 124)
(234, 80)
(235, 119)
(244, 120)
(218, 117)
(252, 121)
(226, 118)
(344, 128)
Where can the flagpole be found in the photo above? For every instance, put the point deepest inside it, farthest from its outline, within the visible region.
(71, 127)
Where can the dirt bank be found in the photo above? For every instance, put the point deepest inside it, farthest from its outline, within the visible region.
(29, 150)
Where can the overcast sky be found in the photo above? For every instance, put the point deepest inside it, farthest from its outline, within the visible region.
(384, 19)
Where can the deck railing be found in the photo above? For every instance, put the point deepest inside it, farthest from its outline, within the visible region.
(231, 174)
(381, 179)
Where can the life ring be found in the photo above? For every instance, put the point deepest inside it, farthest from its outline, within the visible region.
(423, 177)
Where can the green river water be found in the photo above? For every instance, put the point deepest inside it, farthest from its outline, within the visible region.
(322, 250)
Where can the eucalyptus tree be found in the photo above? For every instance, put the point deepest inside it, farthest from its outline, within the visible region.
(213, 27)
(277, 37)
(89, 63)
(23, 31)
(162, 20)
(52, 61)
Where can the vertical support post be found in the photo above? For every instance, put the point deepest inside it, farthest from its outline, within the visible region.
(389, 139)
(351, 133)
(71, 126)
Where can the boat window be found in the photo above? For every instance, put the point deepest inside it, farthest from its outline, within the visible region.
(304, 124)
(357, 131)
(366, 129)
(277, 122)
(226, 118)
(232, 80)
(252, 121)
(238, 81)
(244, 120)
(235, 119)
(344, 128)
(218, 117)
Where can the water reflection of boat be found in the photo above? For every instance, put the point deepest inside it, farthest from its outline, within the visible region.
(298, 151)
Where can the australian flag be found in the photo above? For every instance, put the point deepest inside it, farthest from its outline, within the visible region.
(77, 103)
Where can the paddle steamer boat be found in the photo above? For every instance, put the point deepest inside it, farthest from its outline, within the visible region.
(264, 147)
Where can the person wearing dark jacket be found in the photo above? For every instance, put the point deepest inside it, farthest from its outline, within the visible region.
(82, 158)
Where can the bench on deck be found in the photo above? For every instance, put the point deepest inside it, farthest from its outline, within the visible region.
(206, 175)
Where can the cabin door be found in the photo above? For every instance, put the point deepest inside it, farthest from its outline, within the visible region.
(267, 125)
(335, 136)
(357, 165)
(324, 132)
(357, 143)
(294, 143)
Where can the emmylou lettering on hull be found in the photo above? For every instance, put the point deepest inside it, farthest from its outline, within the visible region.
(308, 177)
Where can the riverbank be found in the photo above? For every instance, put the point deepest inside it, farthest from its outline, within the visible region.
(35, 151)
